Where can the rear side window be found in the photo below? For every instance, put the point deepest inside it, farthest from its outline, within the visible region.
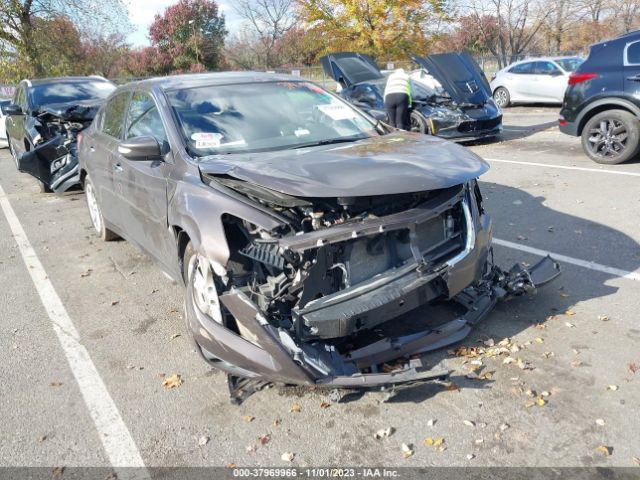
(144, 118)
(544, 68)
(113, 116)
(633, 53)
(523, 68)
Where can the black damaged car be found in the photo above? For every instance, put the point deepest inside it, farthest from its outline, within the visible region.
(43, 122)
(451, 95)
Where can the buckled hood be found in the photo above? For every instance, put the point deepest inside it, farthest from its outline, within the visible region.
(396, 163)
(459, 75)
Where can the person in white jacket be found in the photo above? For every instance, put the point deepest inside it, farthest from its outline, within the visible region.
(397, 99)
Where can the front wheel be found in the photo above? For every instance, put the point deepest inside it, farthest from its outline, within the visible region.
(501, 97)
(611, 137)
(418, 123)
(96, 215)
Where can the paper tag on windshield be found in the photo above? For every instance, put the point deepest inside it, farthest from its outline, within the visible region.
(207, 139)
(337, 111)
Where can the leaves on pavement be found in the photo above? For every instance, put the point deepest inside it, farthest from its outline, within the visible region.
(174, 381)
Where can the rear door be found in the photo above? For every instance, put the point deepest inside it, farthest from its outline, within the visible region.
(632, 68)
(102, 146)
(143, 183)
(548, 82)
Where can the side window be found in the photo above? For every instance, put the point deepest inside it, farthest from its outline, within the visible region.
(545, 68)
(20, 99)
(633, 54)
(113, 115)
(144, 118)
(523, 68)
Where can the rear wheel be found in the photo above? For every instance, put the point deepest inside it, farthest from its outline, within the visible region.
(501, 97)
(611, 137)
(96, 215)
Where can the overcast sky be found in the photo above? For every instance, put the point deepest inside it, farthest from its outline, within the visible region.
(141, 13)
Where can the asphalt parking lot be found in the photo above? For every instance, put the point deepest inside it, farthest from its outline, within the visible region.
(569, 395)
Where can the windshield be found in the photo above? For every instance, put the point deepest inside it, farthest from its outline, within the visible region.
(569, 64)
(64, 92)
(253, 117)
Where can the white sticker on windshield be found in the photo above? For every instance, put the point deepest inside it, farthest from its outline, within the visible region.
(301, 132)
(207, 139)
(337, 111)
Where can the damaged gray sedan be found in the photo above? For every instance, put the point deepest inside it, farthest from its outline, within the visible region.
(315, 245)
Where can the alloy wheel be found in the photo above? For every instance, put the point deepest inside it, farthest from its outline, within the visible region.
(608, 138)
(500, 97)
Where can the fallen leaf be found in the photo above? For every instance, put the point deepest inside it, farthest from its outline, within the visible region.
(540, 326)
(600, 421)
(569, 324)
(545, 394)
(605, 450)
(42, 438)
(489, 343)
(576, 363)
(552, 317)
(406, 451)
(504, 426)
(288, 456)
(428, 441)
(277, 422)
(231, 465)
(470, 456)
(438, 443)
(264, 439)
(296, 408)
(452, 387)
(479, 441)
(530, 393)
(548, 354)
(248, 418)
(383, 433)
(508, 360)
(114, 303)
(612, 387)
(541, 402)
(524, 365)
(203, 440)
(325, 405)
(431, 422)
(173, 381)
(539, 340)
(633, 367)
(56, 384)
(636, 460)
(251, 448)
(86, 273)
(603, 318)
(529, 404)
(569, 312)
(469, 423)
(175, 335)
(58, 471)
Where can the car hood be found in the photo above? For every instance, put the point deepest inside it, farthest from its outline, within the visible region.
(75, 110)
(351, 67)
(459, 75)
(396, 163)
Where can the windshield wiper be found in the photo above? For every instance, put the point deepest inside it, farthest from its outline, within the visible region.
(326, 142)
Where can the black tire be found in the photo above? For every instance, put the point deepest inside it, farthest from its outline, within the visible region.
(44, 188)
(611, 137)
(95, 214)
(418, 123)
(502, 97)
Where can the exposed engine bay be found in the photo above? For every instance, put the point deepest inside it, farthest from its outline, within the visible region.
(347, 284)
(54, 130)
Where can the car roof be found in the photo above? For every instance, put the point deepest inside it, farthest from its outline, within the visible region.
(542, 59)
(176, 82)
(46, 81)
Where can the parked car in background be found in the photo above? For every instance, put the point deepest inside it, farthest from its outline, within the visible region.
(535, 80)
(314, 243)
(43, 121)
(454, 103)
(3, 132)
(602, 102)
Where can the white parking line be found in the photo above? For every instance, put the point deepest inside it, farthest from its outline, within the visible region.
(574, 261)
(548, 165)
(116, 439)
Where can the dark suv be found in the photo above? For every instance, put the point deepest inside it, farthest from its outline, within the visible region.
(602, 101)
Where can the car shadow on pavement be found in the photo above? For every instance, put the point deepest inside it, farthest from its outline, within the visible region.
(511, 132)
(515, 212)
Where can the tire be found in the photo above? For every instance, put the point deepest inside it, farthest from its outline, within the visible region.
(95, 214)
(502, 97)
(44, 188)
(611, 137)
(418, 123)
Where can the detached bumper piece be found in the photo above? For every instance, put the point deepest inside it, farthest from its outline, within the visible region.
(53, 162)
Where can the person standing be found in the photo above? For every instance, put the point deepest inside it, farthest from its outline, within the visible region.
(397, 99)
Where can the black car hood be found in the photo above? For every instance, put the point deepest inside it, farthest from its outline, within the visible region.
(77, 110)
(351, 67)
(396, 163)
(459, 75)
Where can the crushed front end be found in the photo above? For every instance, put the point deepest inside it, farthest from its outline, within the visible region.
(53, 157)
(350, 290)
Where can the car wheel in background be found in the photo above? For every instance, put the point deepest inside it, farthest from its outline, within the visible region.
(418, 123)
(94, 212)
(611, 137)
(501, 97)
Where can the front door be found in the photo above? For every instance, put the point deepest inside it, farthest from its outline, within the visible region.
(142, 184)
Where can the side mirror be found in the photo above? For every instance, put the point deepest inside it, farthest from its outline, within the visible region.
(140, 148)
(13, 109)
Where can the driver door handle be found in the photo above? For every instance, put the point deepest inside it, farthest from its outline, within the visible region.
(634, 78)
